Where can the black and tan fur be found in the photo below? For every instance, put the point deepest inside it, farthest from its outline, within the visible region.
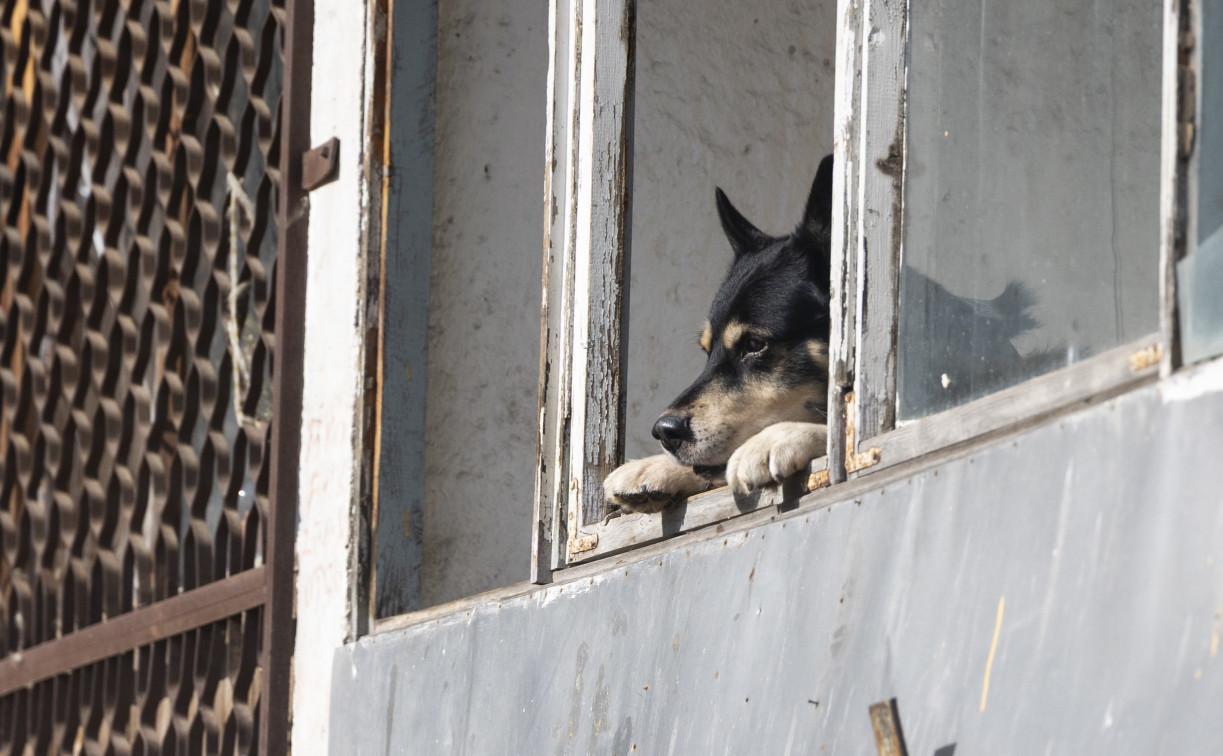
(756, 413)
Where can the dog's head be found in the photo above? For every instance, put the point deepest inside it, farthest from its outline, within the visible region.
(766, 337)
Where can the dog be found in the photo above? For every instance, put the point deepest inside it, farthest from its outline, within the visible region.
(757, 413)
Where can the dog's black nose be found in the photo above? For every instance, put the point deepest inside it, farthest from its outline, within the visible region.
(672, 430)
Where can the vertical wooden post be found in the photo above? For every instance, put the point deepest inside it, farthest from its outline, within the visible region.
(582, 369)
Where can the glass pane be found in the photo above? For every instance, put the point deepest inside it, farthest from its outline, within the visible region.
(1031, 192)
(1200, 275)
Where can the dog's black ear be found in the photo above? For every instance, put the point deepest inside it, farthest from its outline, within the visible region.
(744, 237)
(817, 218)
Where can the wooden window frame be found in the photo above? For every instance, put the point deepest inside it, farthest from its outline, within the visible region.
(587, 225)
(871, 152)
(587, 221)
(1192, 37)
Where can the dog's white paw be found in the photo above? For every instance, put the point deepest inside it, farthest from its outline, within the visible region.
(650, 484)
(774, 454)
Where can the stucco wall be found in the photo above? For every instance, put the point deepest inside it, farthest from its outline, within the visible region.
(1059, 591)
(484, 295)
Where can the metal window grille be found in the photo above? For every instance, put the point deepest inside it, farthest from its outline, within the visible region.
(150, 311)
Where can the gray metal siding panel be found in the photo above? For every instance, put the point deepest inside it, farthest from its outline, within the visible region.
(1103, 531)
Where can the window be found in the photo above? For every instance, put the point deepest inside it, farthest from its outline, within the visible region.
(651, 106)
(1015, 188)
(1008, 238)
(1200, 273)
(455, 141)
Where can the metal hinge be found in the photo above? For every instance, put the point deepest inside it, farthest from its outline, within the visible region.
(1187, 94)
(585, 542)
(860, 460)
(321, 165)
(817, 480)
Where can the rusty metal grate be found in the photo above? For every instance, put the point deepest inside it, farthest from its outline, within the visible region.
(197, 692)
(140, 156)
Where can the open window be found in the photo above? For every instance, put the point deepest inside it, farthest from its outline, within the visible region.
(1026, 218)
(650, 108)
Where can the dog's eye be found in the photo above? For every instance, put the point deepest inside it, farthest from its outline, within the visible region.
(751, 346)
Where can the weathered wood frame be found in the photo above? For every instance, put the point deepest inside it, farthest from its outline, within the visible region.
(868, 243)
(585, 270)
(400, 171)
(585, 275)
(587, 222)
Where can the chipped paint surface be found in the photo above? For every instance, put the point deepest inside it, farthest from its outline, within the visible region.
(817, 480)
(1109, 564)
(333, 363)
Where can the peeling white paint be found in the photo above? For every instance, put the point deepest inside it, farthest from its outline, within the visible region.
(331, 394)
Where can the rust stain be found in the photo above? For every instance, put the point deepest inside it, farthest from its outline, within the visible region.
(855, 461)
(585, 542)
(862, 460)
(885, 721)
(1145, 358)
(817, 480)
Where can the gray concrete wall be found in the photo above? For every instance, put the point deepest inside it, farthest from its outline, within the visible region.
(484, 295)
(1059, 591)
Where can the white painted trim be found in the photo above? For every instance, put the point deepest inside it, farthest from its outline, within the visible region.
(581, 373)
(333, 371)
(846, 201)
(1169, 183)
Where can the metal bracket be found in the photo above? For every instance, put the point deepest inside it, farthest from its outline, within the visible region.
(860, 460)
(584, 542)
(817, 480)
(1187, 97)
(321, 165)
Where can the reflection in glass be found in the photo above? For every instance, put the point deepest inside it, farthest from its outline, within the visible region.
(1031, 192)
(1200, 275)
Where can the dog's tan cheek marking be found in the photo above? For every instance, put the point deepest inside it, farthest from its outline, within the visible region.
(707, 337)
(753, 407)
(819, 353)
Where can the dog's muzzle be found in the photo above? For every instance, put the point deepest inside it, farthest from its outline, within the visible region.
(672, 431)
